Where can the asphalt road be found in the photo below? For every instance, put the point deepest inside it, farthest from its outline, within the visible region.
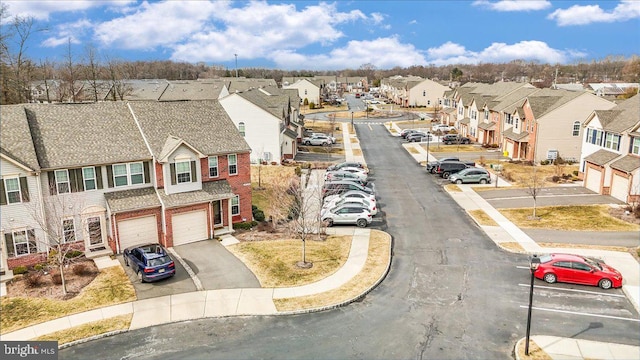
(450, 294)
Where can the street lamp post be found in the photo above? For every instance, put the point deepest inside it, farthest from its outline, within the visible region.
(352, 119)
(533, 266)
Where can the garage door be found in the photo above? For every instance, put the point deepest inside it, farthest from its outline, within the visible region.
(619, 187)
(138, 231)
(594, 177)
(189, 227)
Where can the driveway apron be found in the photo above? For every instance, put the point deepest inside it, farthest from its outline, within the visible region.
(215, 266)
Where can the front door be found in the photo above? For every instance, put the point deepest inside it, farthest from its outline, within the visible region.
(94, 229)
(217, 213)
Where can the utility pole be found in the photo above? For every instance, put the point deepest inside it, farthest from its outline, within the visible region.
(236, 55)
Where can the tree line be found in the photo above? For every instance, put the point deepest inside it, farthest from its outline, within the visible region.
(92, 70)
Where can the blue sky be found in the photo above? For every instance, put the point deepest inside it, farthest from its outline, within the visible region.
(313, 35)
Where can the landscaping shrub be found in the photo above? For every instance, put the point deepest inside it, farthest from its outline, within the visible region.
(56, 278)
(258, 215)
(33, 279)
(555, 178)
(545, 162)
(298, 171)
(19, 270)
(575, 172)
(245, 225)
(39, 267)
(73, 254)
(81, 270)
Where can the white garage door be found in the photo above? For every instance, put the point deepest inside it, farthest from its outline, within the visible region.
(189, 227)
(619, 187)
(137, 231)
(593, 179)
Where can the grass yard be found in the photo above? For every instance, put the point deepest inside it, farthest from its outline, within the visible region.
(437, 148)
(274, 262)
(88, 330)
(574, 218)
(110, 287)
(520, 173)
(482, 218)
(271, 182)
(374, 268)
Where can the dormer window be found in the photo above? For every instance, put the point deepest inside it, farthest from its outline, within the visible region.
(183, 171)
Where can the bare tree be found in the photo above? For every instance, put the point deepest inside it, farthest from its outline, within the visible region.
(280, 196)
(534, 185)
(17, 68)
(92, 71)
(57, 220)
(70, 74)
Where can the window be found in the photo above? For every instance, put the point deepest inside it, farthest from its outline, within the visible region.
(576, 128)
(474, 114)
(590, 136)
(213, 166)
(12, 187)
(120, 177)
(508, 119)
(580, 266)
(89, 176)
(241, 128)
(68, 230)
(635, 146)
(305, 91)
(21, 242)
(486, 115)
(233, 164)
(183, 172)
(235, 205)
(137, 173)
(563, 264)
(424, 92)
(612, 141)
(517, 123)
(62, 181)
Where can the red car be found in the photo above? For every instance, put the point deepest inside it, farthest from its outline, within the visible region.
(577, 270)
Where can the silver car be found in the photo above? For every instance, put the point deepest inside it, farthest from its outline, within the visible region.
(317, 140)
(471, 175)
(346, 214)
(345, 175)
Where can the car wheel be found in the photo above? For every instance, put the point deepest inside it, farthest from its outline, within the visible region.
(140, 278)
(605, 284)
(458, 181)
(550, 278)
(307, 143)
(361, 223)
(433, 170)
(329, 222)
(483, 181)
(445, 174)
(325, 144)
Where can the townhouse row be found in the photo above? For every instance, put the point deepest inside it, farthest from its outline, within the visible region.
(105, 176)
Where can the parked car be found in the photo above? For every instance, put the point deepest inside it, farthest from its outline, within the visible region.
(432, 165)
(332, 138)
(352, 194)
(371, 206)
(317, 140)
(405, 132)
(345, 175)
(359, 171)
(577, 270)
(339, 187)
(346, 164)
(471, 175)
(347, 214)
(150, 262)
(446, 168)
(351, 180)
(449, 139)
(419, 136)
(442, 127)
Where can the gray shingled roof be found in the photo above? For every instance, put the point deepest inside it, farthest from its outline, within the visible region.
(143, 90)
(274, 102)
(192, 90)
(509, 102)
(243, 84)
(15, 137)
(205, 125)
(486, 126)
(520, 137)
(211, 191)
(546, 100)
(601, 157)
(131, 200)
(465, 121)
(627, 163)
(73, 135)
(621, 118)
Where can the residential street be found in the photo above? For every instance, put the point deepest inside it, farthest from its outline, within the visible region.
(450, 294)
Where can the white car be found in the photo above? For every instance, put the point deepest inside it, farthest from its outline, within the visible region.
(442, 127)
(333, 139)
(345, 175)
(351, 194)
(371, 206)
(317, 140)
(347, 214)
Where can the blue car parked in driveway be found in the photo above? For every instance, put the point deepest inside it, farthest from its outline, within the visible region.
(150, 262)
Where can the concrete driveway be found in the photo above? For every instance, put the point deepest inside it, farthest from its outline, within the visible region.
(180, 283)
(215, 266)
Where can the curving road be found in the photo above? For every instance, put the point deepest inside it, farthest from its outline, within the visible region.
(450, 294)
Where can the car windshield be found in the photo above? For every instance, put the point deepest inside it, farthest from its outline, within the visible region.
(593, 263)
(159, 261)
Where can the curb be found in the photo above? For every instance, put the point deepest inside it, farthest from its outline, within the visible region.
(189, 270)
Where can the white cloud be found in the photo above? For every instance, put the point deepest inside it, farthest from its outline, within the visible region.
(587, 14)
(384, 53)
(514, 5)
(450, 53)
(72, 32)
(41, 10)
(413, 22)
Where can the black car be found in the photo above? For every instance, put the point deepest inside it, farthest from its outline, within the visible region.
(150, 262)
(446, 168)
(449, 139)
(432, 165)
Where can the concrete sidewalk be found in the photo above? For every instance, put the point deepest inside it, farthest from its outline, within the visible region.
(507, 232)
